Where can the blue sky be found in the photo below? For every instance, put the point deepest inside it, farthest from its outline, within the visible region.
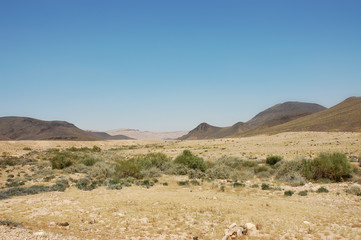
(170, 65)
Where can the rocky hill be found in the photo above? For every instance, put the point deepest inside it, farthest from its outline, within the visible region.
(23, 128)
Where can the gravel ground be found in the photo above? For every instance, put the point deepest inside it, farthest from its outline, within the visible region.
(18, 233)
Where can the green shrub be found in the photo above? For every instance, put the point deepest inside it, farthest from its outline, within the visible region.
(153, 160)
(61, 185)
(195, 182)
(333, 166)
(102, 170)
(272, 160)
(248, 164)
(96, 149)
(183, 183)
(151, 172)
(165, 184)
(114, 186)
(219, 171)
(322, 190)
(223, 188)
(86, 184)
(195, 173)
(236, 184)
(289, 193)
(88, 160)
(191, 161)
(62, 160)
(10, 223)
(27, 149)
(77, 168)
(303, 193)
(128, 168)
(255, 186)
(354, 190)
(16, 183)
(259, 169)
(265, 186)
(177, 169)
(291, 172)
(232, 162)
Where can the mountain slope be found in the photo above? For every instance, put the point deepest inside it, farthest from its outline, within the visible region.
(272, 116)
(110, 137)
(23, 128)
(343, 117)
(284, 112)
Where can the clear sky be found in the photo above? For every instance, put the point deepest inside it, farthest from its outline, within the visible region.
(170, 65)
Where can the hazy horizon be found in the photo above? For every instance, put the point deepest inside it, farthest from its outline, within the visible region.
(168, 66)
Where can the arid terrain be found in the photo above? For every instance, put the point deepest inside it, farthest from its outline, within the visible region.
(174, 211)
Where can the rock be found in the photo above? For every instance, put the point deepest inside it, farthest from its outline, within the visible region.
(251, 229)
(64, 224)
(39, 233)
(52, 223)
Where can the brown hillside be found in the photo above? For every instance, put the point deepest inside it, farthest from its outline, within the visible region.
(202, 131)
(23, 128)
(284, 112)
(343, 117)
(110, 137)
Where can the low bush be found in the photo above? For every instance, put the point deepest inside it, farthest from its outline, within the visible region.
(151, 172)
(195, 173)
(322, 190)
(86, 184)
(16, 183)
(236, 184)
(291, 172)
(289, 193)
(255, 186)
(333, 166)
(265, 186)
(88, 160)
(102, 170)
(355, 190)
(219, 171)
(165, 184)
(128, 168)
(303, 193)
(272, 160)
(248, 164)
(177, 169)
(232, 162)
(77, 168)
(195, 182)
(10, 223)
(183, 183)
(191, 161)
(62, 160)
(61, 185)
(154, 160)
(259, 169)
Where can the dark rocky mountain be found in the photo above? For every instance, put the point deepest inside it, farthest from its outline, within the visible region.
(343, 117)
(284, 112)
(276, 115)
(23, 128)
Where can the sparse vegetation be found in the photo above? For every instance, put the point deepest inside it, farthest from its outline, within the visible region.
(322, 190)
(289, 193)
(333, 166)
(191, 161)
(273, 159)
(303, 193)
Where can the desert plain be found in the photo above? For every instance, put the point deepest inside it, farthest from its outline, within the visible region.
(201, 211)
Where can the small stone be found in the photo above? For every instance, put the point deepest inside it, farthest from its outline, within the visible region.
(39, 233)
(64, 224)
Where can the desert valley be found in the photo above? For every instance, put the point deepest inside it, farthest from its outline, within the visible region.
(285, 174)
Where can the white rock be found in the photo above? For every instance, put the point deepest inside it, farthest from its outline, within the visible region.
(232, 225)
(39, 233)
(251, 229)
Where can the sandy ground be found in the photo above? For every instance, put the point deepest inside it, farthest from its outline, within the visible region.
(175, 212)
(288, 145)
